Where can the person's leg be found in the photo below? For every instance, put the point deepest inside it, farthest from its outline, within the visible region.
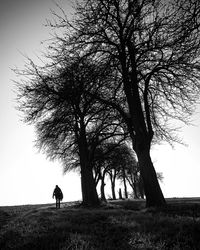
(58, 203)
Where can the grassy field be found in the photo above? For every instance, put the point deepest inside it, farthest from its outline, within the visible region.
(120, 225)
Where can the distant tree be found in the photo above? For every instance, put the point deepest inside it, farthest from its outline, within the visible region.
(114, 158)
(102, 167)
(134, 179)
(112, 173)
(154, 45)
(125, 160)
(120, 194)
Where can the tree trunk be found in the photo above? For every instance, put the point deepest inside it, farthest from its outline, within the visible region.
(103, 197)
(140, 127)
(89, 193)
(134, 183)
(88, 186)
(124, 181)
(140, 187)
(120, 194)
(112, 182)
(113, 190)
(153, 193)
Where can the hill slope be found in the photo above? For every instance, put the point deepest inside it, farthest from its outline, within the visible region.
(117, 225)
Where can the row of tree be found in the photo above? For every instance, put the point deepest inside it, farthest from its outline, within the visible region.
(118, 71)
(118, 162)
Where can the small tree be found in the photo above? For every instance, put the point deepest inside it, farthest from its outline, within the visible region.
(134, 179)
(114, 158)
(126, 160)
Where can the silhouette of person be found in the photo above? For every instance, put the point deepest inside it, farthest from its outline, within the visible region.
(58, 195)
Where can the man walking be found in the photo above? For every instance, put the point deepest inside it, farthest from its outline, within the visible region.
(58, 195)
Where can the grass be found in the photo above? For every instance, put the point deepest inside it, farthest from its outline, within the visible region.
(118, 225)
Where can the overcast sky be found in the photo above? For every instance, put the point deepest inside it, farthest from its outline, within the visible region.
(26, 176)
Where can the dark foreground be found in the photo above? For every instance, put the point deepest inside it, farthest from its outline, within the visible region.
(119, 225)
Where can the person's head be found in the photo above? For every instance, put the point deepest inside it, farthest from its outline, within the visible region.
(56, 186)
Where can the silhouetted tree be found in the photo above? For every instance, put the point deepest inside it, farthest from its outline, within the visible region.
(125, 159)
(120, 194)
(114, 158)
(101, 169)
(154, 45)
(68, 122)
(104, 163)
(134, 179)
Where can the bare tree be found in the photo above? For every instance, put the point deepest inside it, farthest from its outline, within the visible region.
(68, 122)
(154, 47)
(106, 164)
(134, 179)
(113, 159)
(126, 161)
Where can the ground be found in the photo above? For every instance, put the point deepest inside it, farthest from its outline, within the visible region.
(116, 225)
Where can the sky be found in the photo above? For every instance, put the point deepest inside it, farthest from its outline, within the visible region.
(26, 175)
